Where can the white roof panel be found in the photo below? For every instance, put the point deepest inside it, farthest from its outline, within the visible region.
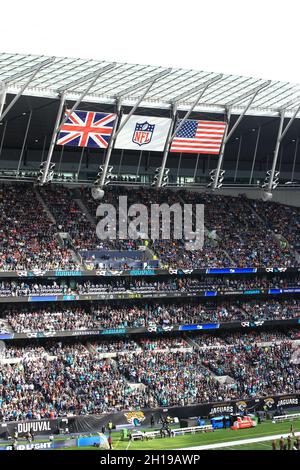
(63, 71)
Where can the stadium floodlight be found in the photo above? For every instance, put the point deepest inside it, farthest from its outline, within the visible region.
(196, 89)
(143, 83)
(96, 73)
(156, 176)
(108, 177)
(213, 176)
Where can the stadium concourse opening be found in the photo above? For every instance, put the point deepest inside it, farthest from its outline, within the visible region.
(139, 343)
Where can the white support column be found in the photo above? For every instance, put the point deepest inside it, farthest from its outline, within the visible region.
(167, 147)
(178, 167)
(238, 158)
(295, 158)
(120, 163)
(276, 152)
(254, 156)
(30, 70)
(222, 151)
(196, 168)
(269, 182)
(174, 129)
(116, 129)
(2, 137)
(110, 147)
(91, 78)
(24, 143)
(252, 94)
(2, 98)
(53, 139)
(139, 165)
(80, 162)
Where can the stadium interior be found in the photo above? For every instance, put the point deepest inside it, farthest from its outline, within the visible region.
(104, 328)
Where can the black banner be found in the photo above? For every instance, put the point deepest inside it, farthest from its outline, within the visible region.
(155, 329)
(142, 272)
(149, 295)
(94, 423)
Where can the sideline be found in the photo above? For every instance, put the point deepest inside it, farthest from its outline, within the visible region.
(240, 442)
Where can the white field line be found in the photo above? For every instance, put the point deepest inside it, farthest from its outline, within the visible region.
(238, 443)
(128, 445)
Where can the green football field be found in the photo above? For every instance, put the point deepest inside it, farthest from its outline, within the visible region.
(218, 436)
(266, 429)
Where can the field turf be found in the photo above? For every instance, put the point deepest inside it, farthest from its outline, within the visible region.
(198, 439)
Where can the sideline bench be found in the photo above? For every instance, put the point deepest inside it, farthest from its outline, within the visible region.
(289, 417)
(140, 435)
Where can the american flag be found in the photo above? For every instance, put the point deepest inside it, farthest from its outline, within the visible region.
(199, 137)
(87, 129)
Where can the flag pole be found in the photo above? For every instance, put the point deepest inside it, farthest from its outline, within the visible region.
(196, 168)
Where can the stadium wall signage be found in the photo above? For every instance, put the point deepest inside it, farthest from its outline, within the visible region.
(142, 272)
(147, 295)
(92, 423)
(153, 329)
(43, 426)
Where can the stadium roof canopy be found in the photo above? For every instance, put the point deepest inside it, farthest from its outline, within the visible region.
(129, 81)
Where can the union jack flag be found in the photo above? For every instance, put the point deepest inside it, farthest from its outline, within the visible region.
(87, 129)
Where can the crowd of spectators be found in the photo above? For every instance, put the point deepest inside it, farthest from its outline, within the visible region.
(50, 318)
(245, 237)
(23, 288)
(70, 383)
(172, 378)
(114, 346)
(60, 379)
(256, 370)
(240, 339)
(235, 236)
(282, 219)
(27, 235)
(239, 232)
(97, 315)
(70, 218)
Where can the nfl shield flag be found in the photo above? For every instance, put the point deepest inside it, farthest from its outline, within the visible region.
(87, 129)
(143, 133)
